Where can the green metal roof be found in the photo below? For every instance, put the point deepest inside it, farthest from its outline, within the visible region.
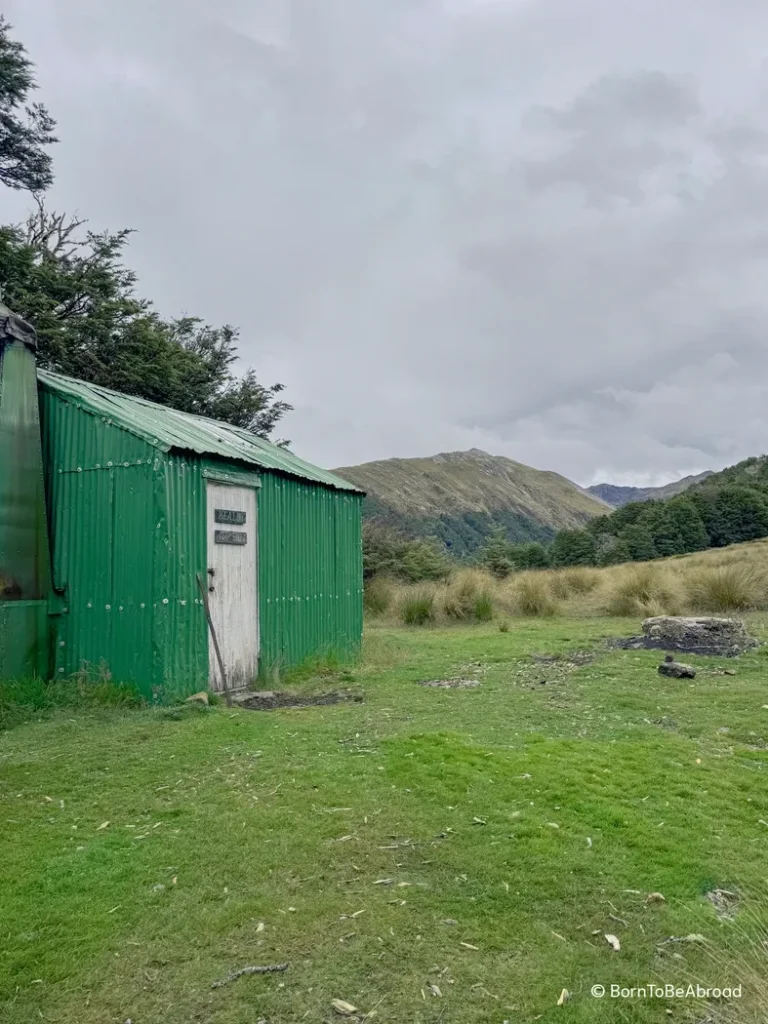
(169, 429)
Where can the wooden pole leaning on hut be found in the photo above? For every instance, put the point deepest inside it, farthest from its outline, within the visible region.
(204, 594)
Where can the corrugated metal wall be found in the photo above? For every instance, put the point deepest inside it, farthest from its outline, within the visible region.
(129, 535)
(310, 571)
(104, 503)
(24, 562)
(181, 631)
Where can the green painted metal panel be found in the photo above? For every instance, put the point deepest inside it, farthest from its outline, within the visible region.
(23, 532)
(24, 639)
(128, 545)
(229, 474)
(169, 429)
(83, 532)
(25, 579)
(181, 631)
(310, 571)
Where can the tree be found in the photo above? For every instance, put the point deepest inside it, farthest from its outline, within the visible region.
(610, 550)
(25, 129)
(615, 553)
(77, 292)
(703, 499)
(423, 559)
(496, 555)
(616, 521)
(639, 543)
(687, 521)
(530, 556)
(573, 547)
(663, 529)
(387, 553)
(740, 514)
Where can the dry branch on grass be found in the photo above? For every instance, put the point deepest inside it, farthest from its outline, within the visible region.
(268, 969)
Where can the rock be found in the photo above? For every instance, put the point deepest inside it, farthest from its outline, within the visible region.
(676, 669)
(704, 634)
(198, 698)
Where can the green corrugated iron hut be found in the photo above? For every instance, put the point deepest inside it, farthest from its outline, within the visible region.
(140, 499)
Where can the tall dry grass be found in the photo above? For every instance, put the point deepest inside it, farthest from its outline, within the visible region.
(722, 580)
(738, 587)
(644, 590)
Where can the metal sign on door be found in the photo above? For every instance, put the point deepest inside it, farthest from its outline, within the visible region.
(230, 516)
(230, 537)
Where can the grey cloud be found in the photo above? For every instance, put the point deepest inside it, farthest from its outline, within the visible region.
(649, 99)
(530, 226)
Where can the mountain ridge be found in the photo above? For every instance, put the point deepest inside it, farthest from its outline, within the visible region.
(463, 497)
(616, 495)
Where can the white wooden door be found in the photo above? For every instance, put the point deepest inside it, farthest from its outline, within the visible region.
(233, 584)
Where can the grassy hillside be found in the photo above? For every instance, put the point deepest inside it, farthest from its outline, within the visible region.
(732, 580)
(463, 497)
(617, 496)
(749, 473)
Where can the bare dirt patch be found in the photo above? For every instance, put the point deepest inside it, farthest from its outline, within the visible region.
(725, 902)
(270, 700)
(573, 659)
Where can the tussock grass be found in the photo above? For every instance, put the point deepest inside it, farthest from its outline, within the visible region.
(642, 591)
(568, 582)
(733, 579)
(379, 595)
(533, 597)
(483, 607)
(416, 607)
(468, 596)
(727, 588)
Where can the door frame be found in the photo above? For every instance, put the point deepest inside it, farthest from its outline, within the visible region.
(235, 477)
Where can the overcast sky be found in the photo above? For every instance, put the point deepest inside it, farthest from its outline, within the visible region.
(535, 227)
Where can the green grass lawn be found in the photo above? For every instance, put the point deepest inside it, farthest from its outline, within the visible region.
(433, 855)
